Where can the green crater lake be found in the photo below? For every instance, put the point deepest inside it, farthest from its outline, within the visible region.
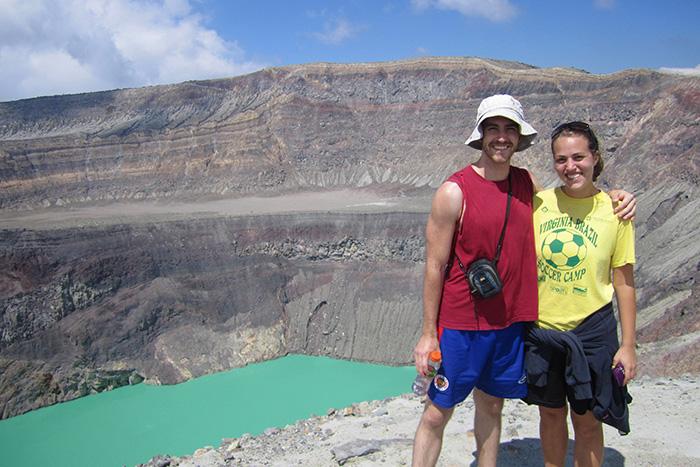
(130, 425)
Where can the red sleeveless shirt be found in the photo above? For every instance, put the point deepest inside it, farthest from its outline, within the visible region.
(484, 213)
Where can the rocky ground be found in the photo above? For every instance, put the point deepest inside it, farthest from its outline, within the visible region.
(665, 417)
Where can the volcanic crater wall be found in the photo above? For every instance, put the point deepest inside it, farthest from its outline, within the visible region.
(87, 309)
(83, 309)
(292, 128)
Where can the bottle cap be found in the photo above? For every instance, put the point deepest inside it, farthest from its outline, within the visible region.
(435, 356)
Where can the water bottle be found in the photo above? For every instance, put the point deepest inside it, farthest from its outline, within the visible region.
(421, 383)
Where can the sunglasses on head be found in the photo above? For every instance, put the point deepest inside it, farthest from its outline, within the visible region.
(577, 127)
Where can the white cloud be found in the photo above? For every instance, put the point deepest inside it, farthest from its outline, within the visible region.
(682, 71)
(336, 31)
(494, 10)
(72, 46)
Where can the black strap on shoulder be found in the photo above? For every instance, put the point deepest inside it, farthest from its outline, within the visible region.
(505, 222)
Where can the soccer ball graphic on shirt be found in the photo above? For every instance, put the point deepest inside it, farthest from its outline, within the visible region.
(563, 249)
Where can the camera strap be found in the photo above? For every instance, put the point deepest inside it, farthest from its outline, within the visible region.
(505, 222)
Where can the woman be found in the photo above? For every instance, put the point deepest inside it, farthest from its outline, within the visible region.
(585, 253)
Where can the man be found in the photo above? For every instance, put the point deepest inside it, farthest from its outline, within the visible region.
(469, 209)
(480, 338)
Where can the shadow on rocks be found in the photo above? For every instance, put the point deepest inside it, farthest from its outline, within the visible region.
(526, 452)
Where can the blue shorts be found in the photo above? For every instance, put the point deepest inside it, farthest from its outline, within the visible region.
(492, 361)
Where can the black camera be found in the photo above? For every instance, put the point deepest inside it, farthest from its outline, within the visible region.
(483, 278)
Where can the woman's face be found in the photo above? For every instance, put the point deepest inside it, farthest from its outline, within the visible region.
(574, 163)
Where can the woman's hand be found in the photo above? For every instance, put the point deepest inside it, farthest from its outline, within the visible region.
(628, 357)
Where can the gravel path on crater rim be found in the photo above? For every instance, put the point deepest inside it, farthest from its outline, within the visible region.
(665, 421)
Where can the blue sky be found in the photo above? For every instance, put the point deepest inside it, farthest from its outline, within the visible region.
(52, 47)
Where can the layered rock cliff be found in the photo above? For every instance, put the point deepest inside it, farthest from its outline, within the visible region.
(88, 305)
(94, 308)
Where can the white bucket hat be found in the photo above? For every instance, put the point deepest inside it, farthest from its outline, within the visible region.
(502, 105)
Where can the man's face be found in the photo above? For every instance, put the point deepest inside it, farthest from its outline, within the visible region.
(500, 140)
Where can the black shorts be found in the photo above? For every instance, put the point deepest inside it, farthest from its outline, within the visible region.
(555, 393)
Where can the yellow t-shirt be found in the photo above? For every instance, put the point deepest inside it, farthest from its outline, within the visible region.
(577, 241)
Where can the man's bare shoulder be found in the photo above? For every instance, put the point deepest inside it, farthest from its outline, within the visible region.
(447, 202)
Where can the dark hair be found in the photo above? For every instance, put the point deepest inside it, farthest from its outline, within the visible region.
(585, 130)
